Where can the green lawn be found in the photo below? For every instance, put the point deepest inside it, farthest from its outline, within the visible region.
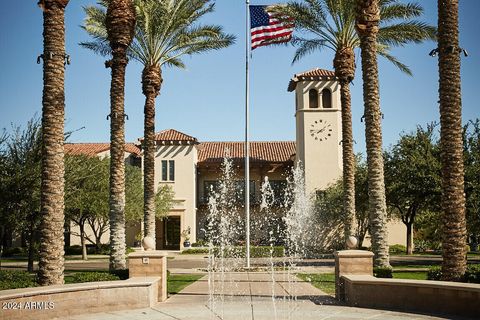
(412, 266)
(322, 281)
(418, 275)
(176, 282)
(22, 279)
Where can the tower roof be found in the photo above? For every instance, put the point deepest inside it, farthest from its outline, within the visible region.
(314, 74)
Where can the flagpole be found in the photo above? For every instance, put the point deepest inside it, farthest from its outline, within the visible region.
(247, 147)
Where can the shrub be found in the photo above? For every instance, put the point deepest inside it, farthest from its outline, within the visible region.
(425, 245)
(259, 252)
(397, 249)
(255, 251)
(103, 249)
(10, 279)
(121, 274)
(239, 251)
(80, 277)
(421, 245)
(15, 251)
(73, 250)
(199, 243)
(195, 251)
(382, 272)
(434, 273)
(129, 250)
(472, 274)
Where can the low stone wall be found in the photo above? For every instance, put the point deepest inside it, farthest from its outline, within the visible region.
(73, 299)
(150, 264)
(461, 299)
(351, 262)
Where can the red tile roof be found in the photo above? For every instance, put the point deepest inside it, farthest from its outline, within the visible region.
(314, 74)
(93, 149)
(132, 148)
(274, 151)
(173, 135)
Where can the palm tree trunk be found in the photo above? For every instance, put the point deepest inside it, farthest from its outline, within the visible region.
(368, 17)
(348, 161)
(117, 161)
(151, 82)
(344, 64)
(453, 196)
(51, 263)
(120, 21)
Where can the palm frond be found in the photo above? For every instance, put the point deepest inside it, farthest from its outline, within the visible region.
(306, 47)
(175, 62)
(383, 51)
(321, 24)
(402, 33)
(165, 30)
(395, 10)
(101, 48)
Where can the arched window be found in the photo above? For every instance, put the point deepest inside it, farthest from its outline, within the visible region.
(326, 98)
(313, 98)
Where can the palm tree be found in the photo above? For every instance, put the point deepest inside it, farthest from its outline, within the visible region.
(166, 30)
(453, 196)
(120, 26)
(51, 263)
(367, 25)
(330, 24)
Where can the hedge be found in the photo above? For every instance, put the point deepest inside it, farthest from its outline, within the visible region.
(239, 252)
(472, 274)
(382, 272)
(10, 279)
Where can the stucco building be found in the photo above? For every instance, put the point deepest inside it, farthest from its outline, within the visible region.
(191, 167)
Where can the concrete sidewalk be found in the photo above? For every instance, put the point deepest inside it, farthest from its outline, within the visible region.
(248, 296)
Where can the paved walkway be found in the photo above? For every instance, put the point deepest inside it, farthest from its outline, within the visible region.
(248, 296)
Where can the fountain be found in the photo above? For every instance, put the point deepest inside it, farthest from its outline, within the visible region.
(225, 234)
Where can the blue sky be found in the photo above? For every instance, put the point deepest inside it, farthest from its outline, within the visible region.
(207, 99)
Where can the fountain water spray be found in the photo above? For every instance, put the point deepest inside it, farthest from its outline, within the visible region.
(288, 223)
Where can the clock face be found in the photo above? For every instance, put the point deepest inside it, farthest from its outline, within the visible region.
(321, 130)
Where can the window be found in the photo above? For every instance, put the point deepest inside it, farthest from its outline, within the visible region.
(164, 170)
(210, 187)
(279, 187)
(326, 99)
(171, 170)
(313, 98)
(240, 191)
(168, 170)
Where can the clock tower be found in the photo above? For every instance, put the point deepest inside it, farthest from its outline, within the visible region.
(318, 127)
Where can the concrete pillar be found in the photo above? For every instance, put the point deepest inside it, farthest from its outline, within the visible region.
(150, 264)
(351, 262)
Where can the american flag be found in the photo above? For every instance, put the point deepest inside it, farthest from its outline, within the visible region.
(266, 29)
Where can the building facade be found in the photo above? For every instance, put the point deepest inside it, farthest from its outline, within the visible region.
(192, 168)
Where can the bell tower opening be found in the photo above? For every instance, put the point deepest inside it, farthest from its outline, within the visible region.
(326, 99)
(313, 99)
